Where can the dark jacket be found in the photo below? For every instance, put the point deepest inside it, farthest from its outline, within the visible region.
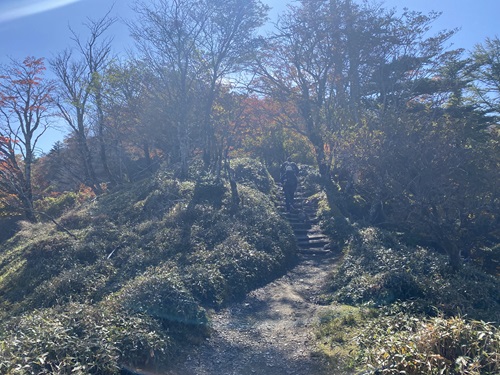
(289, 179)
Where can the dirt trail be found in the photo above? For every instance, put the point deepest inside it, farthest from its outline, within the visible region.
(270, 332)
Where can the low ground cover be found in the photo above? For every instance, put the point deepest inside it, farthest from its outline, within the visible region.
(399, 308)
(131, 276)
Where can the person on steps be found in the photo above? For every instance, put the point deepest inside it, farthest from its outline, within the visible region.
(289, 182)
(287, 163)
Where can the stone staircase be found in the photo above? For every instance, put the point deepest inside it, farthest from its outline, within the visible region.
(305, 224)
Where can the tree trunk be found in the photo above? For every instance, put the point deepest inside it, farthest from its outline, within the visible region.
(90, 178)
(324, 170)
(100, 133)
(235, 196)
(183, 135)
(453, 252)
(27, 193)
(208, 129)
(29, 212)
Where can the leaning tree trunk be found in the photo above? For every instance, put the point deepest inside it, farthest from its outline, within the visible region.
(28, 209)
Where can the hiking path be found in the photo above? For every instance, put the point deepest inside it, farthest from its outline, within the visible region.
(271, 332)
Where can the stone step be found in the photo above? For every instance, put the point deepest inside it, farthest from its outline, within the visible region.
(300, 223)
(304, 222)
(296, 203)
(300, 226)
(311, 237)
(308, 233)
(314, 252)
(313, 244)
(294, 218)
(310, 226)
(298, 209)
(299, 213)
(300, 219)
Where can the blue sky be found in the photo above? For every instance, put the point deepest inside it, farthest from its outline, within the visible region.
(40, 27)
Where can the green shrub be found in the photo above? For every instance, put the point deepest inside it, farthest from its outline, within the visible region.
(76, 219)
(488, 258)
(77, 339)
(238, 262)
(406, 345)
(207, 283)
(166, 193)
(144, 200)
(84, 284)
(56, 206)
(252, 173)
(310, 180)
(36, 262)
(160, 292)
(337, 228)
(337, 332)
(209, 191)
(379, 341)
(379, 270)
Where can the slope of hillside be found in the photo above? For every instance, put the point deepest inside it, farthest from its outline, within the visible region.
(127, 278)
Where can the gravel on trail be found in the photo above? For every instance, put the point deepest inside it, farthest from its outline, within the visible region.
(270, 332)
